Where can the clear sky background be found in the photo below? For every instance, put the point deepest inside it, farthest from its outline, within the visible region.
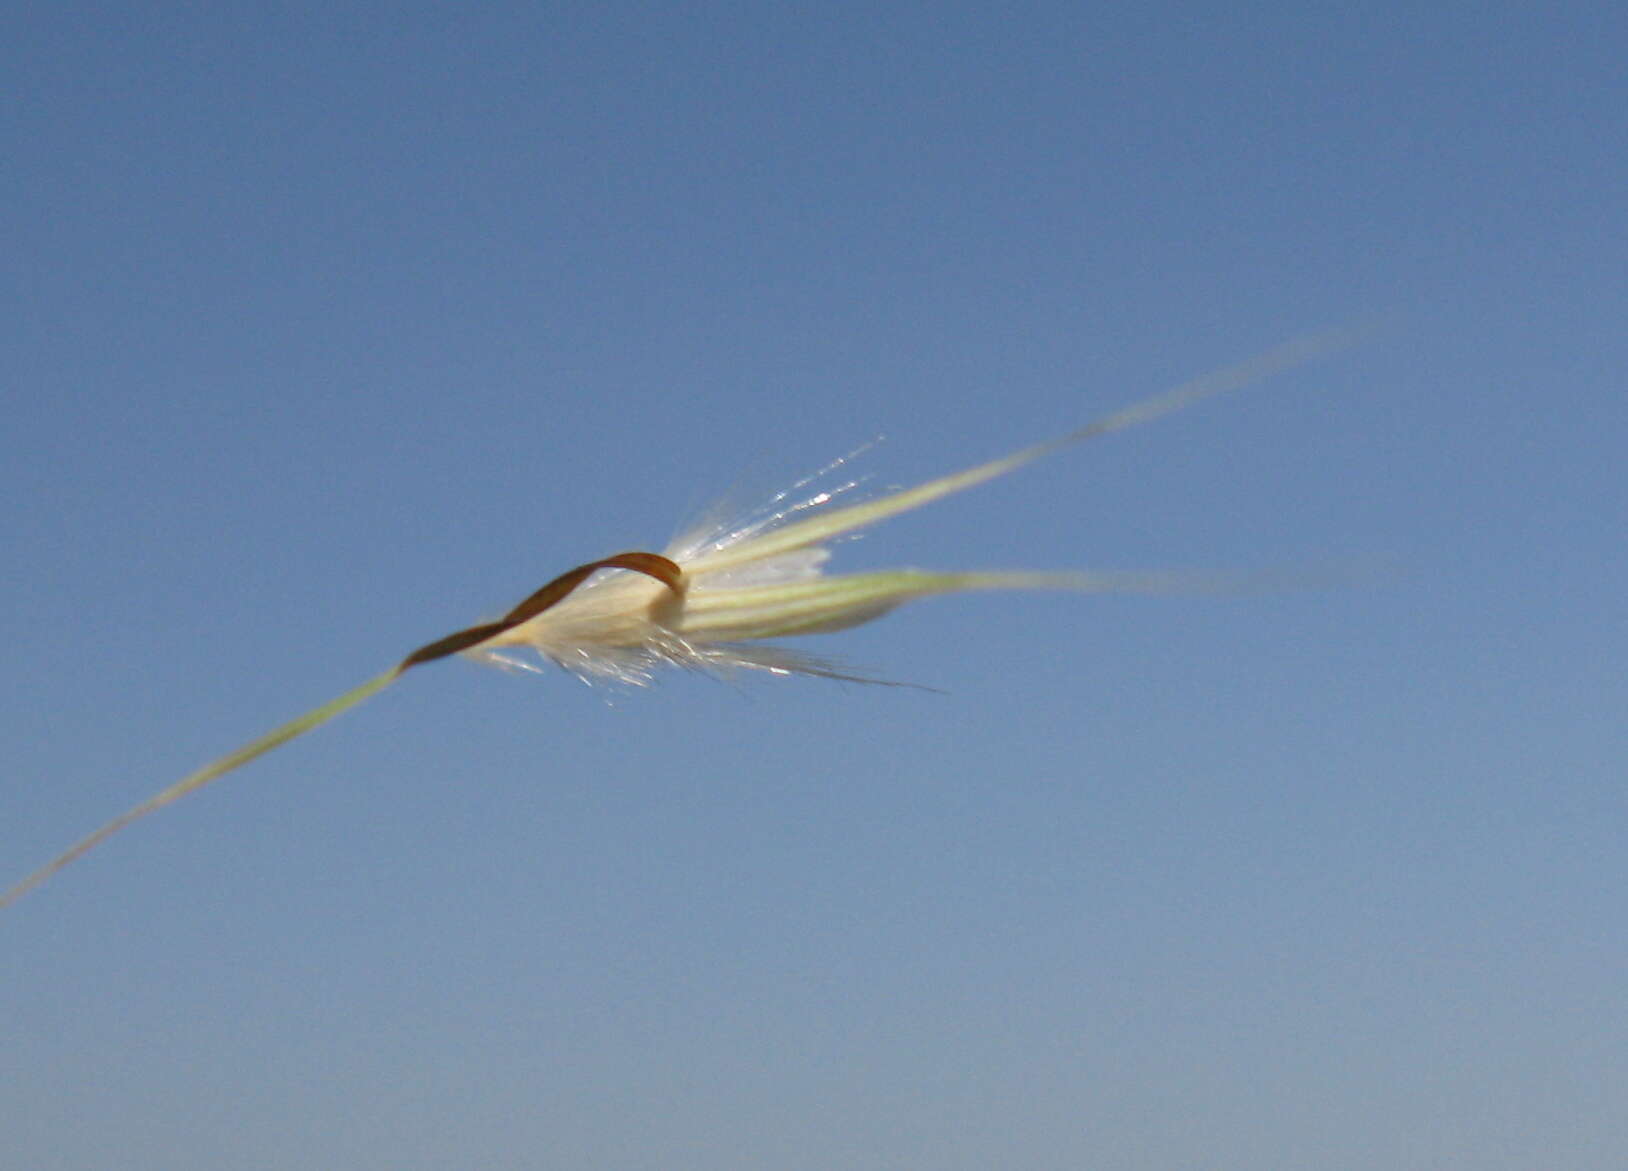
(333, 328)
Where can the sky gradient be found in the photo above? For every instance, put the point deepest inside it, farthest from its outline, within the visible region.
(333, 329)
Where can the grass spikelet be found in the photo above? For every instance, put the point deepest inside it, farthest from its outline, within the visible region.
(713, 597)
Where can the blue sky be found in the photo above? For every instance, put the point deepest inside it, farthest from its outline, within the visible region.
(335, 328)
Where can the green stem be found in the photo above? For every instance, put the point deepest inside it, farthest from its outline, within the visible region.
(209, 772)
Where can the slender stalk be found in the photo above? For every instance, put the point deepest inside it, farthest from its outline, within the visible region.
(191, 783)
